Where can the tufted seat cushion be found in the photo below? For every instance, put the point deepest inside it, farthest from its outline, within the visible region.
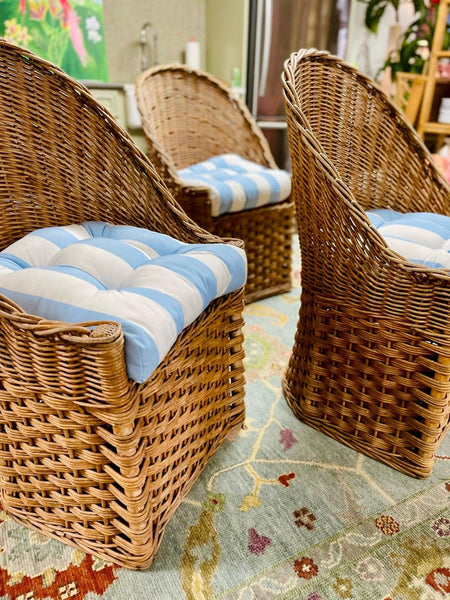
(423, 238)
(235, 183)
(150, 283)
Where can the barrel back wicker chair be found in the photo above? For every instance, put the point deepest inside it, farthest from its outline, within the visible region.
(371, 359)
(189, 116)
(88, 455)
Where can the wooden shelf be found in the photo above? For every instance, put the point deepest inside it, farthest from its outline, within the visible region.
(432, 98)
(434, 127)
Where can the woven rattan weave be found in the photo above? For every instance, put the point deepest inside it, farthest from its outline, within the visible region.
(189, 116)
(87, 455)
(371, 359)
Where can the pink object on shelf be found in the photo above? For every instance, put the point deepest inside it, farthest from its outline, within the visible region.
(443, 162)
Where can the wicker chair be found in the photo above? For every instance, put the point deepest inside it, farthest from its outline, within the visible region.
(371, 359)
(87, 455)
(189, 116)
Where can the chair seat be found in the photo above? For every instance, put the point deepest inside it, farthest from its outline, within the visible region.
(422, 238)
(236, 184)
(150, 283)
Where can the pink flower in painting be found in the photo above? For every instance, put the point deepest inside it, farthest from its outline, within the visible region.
(76, 35)
(22, 6)
(65, 5)
(287, 439)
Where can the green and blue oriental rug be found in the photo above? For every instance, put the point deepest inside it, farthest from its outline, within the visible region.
(281, 512)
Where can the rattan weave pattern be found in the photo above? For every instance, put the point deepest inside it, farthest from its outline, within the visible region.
(189, 116)
(371, 358)
(87, 455)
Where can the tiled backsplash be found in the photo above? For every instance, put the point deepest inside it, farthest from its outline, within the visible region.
(174, 21)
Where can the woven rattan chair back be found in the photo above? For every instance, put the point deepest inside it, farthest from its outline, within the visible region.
(189, 116)
(193, 116)
(371, 359)
(87, 455)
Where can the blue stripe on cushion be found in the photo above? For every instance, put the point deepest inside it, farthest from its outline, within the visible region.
(96, 228)
(57, 235)
(117, 249)
(159, 242)
(442, 220)
(430, 263)
(225, 194)
(416, 226)
(199, 170)
(386, 215)
(228, 254)
(193, 271)
(141, 353)
(383, 215)
(13, 260)
(250, 188)
(222, 163)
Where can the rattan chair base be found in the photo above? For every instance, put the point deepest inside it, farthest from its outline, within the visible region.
(267, 235)
(107, 477)
(372, 394)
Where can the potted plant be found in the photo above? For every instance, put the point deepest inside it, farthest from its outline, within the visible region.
(406, 49)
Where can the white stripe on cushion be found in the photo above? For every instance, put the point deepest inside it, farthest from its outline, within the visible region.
(162, 280)
(42, 244)
(108, 278)
(423, 238)
(235, 184)
(149, 252)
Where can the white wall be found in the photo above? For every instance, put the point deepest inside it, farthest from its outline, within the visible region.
(368, 51)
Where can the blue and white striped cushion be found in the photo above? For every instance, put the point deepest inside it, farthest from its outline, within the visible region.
(423, 238)
(151, 284)
(235, 183)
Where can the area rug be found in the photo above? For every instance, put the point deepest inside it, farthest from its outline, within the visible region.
(281, 512)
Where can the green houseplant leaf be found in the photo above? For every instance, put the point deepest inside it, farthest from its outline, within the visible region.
(375, 10)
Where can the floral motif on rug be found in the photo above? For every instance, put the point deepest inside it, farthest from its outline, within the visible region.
(36, 567)
(280, 512)
(401, 553)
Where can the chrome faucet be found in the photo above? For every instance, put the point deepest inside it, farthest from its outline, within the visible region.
(145, 44)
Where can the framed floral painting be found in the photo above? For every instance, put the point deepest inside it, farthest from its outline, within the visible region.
(68, 33)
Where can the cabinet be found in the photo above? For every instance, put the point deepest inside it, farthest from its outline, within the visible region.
(113, 98)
